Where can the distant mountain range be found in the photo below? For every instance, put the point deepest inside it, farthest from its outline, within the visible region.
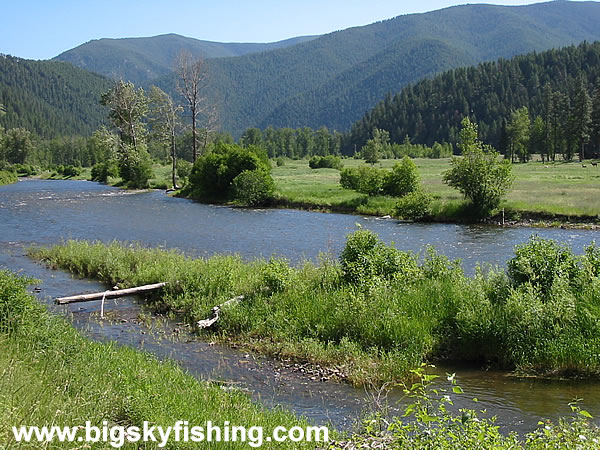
(142, 59)
(332, 80)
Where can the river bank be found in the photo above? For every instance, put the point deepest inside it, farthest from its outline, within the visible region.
(377, 313)
(54, 376)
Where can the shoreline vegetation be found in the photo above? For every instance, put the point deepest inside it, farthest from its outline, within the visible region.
(53, 376)
(376, 313)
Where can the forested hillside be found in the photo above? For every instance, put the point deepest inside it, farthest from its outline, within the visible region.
(141, 59)
(50, 98)
(334, 79)
(431, 110)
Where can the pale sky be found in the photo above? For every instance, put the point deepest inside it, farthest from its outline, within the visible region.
(42, 29)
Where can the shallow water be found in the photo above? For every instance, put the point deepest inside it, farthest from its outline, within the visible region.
(47, 212)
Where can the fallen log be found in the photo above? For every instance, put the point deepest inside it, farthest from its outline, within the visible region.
(214, 316)
(109, 294)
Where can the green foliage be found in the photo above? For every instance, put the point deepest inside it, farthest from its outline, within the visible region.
(253, 187)
(50, 98)
(280, 162)
(478, 174)
(366, 180)
(277, 275)
(7, 177)
(378, 312)
(325, 162)
(430, 421)
(403, 179)
(541, 262)
(213, 173)
(68, 171)
(184, 169)
(18, 145)
(416, 205)
(101, 171)
(52, 375)
(365, 260)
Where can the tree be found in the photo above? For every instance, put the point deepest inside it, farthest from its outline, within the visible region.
(595, 124)
(127, 107)
(581, 117)
(191, 83)
(18, 144)
(537, 138)
(479, 174)
(376, 146)
(518, 134)
(164, 118)
(403, 179)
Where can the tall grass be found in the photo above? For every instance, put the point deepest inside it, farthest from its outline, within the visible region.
(378, 313)
(51, 375)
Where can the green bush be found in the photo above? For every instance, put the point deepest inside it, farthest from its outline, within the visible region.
(325, 162)
(365, 260)
(101, 171)
(280, 162)
(414, 206)
(253, 187)
(213, 173)
(277, 275)
(184, 169)
(136, 169)
(364, 179)
(540, 261)
(403, 179)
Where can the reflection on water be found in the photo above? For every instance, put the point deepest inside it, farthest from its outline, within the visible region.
(46, 212)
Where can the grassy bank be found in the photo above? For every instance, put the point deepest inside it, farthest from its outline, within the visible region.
(51, 375)
(7, 177)
(552, 189)
(378, 312)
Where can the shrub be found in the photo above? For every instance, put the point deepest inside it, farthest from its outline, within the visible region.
(277, 275)
(253, 187)
(280, 162)
(136, 169)
(366, 180)
(414, 206)
(403, 179)
(184, 169)
(325, 162)
(213, 173)
(101, 171)
(365, 260)
(479, 174)
(540, 261)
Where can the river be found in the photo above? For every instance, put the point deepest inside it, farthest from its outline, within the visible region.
(36, 212)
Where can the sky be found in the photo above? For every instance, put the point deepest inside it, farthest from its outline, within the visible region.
(42, 29)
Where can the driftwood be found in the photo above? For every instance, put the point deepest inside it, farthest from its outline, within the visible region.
(109, 294)
(214, 316)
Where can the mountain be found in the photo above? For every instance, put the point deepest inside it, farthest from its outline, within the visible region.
(51, 98)
(142, 59)
(432, 109)
(333, 80)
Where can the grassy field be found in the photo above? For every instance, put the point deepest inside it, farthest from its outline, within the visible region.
(52, 375)
(554, 189)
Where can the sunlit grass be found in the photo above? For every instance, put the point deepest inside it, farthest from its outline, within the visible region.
(552, 188)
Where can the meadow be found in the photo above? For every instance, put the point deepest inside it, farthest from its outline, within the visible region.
(550, 189)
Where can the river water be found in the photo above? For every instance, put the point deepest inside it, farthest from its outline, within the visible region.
(36, 212)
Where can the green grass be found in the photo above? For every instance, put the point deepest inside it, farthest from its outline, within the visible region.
(51, 375)
(375, 319)
(561, 188)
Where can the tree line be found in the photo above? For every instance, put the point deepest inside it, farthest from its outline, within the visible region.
(550, 84)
